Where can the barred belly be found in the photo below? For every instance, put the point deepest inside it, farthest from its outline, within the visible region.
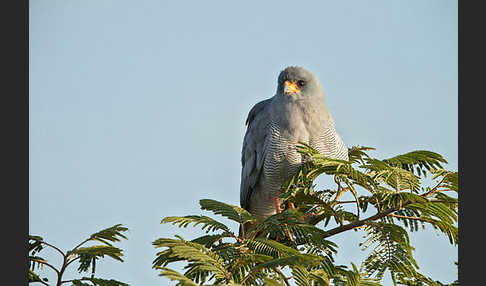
(281, 161)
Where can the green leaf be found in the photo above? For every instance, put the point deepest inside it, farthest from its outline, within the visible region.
(271, 248)
(98, 282)
(393, 187)
(272, 282)
(421, 158)
(229, 211)
(392, 250)
(33, 277)
(35, 244)
(203, 258)
(206, 222)
(176, 276)
(89, 255)
(112, 234)
(301, 275)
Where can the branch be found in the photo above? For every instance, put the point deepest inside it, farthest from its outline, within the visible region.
(384, 213)
(362, 222)
(63, 268)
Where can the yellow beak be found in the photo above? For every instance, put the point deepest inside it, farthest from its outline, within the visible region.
(290, 88)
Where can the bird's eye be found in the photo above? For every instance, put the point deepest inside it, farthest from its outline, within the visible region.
(300, 83)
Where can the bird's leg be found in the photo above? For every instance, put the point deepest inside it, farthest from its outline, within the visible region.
(276, 204)
(278, 210)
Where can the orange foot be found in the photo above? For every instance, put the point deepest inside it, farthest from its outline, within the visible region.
(276, 204)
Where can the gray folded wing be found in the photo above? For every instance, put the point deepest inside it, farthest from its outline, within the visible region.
(253, 152)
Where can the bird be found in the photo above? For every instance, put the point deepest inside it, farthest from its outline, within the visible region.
(295, 113)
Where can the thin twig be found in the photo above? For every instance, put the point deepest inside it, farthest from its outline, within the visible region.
(435, 189)
(40, 281)
(81, 279)
(346, 202)
(255, 269)
(86, 240)
(339, 192)
(47, 264)
(203, 281)
(246, 278)
(353, 191)
(48, 244)
(70, 261)
(286, 280)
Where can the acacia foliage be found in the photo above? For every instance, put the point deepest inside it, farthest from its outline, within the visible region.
(85, 256)
(391, 198)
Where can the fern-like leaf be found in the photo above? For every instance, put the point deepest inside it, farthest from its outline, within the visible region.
(392, 250)
(234, 213)
(203, 258)
(113, 234)
(176, 276)
(421, 159)
(89, 255)
(207, 223)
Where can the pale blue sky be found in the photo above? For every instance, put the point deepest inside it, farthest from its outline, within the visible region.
(137, 108)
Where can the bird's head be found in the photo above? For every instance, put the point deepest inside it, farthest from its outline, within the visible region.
(298, 83)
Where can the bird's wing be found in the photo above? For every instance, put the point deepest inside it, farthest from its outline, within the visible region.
(253, 152)
(333, 143)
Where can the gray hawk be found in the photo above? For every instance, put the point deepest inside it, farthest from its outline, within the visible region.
(297, 112)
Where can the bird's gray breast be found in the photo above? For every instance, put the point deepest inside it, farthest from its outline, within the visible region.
(290, 124)
(311, 124)
(282, 159)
